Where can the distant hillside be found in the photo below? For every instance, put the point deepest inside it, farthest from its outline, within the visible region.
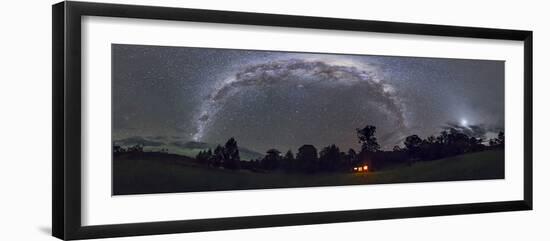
(184, 148)
(195, 145)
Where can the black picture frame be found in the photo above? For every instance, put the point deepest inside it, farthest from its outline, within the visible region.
(66, 58)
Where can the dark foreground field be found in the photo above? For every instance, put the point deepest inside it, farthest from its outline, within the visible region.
(165, 173)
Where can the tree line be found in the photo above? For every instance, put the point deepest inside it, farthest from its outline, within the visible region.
(308, 159)
(137, 148)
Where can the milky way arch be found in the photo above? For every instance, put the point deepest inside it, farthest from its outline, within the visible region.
(301, 72)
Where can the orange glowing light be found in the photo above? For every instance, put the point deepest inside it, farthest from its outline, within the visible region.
(365, 167)
(360, 169)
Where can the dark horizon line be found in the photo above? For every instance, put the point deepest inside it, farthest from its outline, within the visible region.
(319, 148)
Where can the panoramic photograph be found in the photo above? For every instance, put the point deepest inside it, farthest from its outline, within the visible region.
(189, 119)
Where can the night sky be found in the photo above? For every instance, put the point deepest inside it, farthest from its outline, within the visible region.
(282, 100)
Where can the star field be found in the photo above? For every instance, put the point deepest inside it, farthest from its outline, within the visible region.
(284, 100)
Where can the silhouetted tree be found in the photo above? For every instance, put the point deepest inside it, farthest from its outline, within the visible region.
(231, 153)
(457, 141)
(307, 158)
(218, 156)
(352, 157)
(118, 149)
(289, 161)
(428, 149)
(431, 140)
(443, 137)
(413, 143)
(255, 164)
(272, 160)
(329, 158)
(135, 148)
(497, 142)
(451, 141)
(344, 163)
(475, 144)
(500, 139)
(289, 155)
(367, 139)
(204, 156)
(200, 156)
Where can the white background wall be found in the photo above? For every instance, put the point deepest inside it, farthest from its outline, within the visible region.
(25, 114)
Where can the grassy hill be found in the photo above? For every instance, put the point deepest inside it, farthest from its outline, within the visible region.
(159, 174)
(472, 166)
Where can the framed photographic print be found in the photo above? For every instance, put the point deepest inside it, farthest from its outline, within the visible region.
(170, 120)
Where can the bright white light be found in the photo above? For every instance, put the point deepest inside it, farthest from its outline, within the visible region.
(464, 122)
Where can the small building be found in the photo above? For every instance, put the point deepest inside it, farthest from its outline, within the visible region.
(361, 168)
(365, 162)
